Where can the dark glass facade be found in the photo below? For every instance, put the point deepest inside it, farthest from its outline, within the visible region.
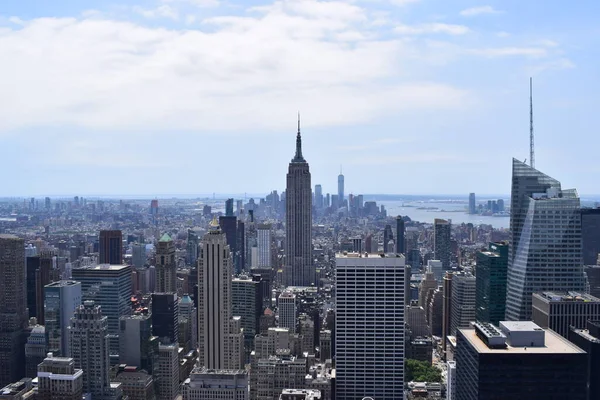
(491, 269)
(589, 340)
(165, 317)
(590, 235)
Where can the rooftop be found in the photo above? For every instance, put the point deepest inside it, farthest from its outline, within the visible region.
(103, 267)
(63, 283)
(165, 238)
(567, 297)
(554, 343)
(346, 254)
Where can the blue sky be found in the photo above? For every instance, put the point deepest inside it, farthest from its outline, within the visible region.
(200, 96)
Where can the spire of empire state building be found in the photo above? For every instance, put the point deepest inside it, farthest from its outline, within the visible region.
(298, 157)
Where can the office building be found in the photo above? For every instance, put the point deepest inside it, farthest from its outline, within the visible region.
(188, 317)
(590, 235)
(399, 235)
(220, 339)
(561, 310)
(165, 317)
(490, 275)
(369, 326)
(229, 226)
(61, 300)
(437, 267)
(168, 372)
(246, 302)
(13, 309)
(388, 238)
(33, 264)
(451, 380)
(319, 201)
(36, 349)
(427, 284)
(229, 208)
(166, 266)
(138, 255)
(588, 339)
(519, 360)
(89, 349)
(463, 301)
(109, 286)
(472, 204)
(435, 311)
(264, 238)
(446, 310)
(276, 373)
(137, 383)
(545, 237)
(592, 273)
(111, 247)
(299, 269)
(288, 311)
(340, 195)
(300, 394)
(137, 346)
(416, 320)
(441, 241)
(205, 384)
(59, 379)
(44, 275)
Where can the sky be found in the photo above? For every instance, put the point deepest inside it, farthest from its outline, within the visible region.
(155, 97)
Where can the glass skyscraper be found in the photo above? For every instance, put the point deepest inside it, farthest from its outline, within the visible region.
(490, 298)
(545, 240)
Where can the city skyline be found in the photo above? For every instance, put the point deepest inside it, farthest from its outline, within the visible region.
(444, 91)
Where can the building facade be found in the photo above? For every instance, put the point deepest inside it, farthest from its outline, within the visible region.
(491, 283)
(560, 311)
(166, 267)
(206, 384)
(463, 301)
(111, 247)
(59, 379)
(61, 300)
(441, 241)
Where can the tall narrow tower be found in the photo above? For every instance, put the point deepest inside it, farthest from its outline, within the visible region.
(166, 268)
(299, 269)
(340, 189)
(531, 144)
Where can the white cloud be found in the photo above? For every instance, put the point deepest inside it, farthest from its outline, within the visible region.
(431, 28)
(503, 34)
(243, 71)
(196, 3)
(492, 52)
(403, 2)
(163, 11)
(473, 11)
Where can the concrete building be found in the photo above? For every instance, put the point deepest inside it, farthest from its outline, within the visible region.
(545, 250)
(246, 302)
(287, 310)
(276, 373)
(590, 235)
(61, 300)
(21, 390)
(137, 384)
(325, 345)
(300, 394)
(472, 204)
(435, 311)
(166, 267)
(111, 247)
(519, 360)
(189, 313)
(427, 284)
(36, 350)
(369, 326)
(59, 379)
(560, 311)
(265, 245)
(299, 269)
(168, 372)
(138, 255)
(463, 301)
(446, 311)
(220, 338)
(451, 380)
(416, 320)
(400, 249)
(437, 267)
(589, 340)
(45, 274)
(490, 298)
(204, 384)
(137, 346)
(13, 309)
(441, 241)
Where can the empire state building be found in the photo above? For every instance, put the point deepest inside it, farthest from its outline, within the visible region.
(299, 269)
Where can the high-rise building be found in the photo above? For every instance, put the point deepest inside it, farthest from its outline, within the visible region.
(204, 384)
(166, 266)
(561, 311)
(545, 238)
(89, 349)
(220, 339)
(264, 238)
(246, 302)
(369, 326)
(138, 254)
(229, 208)
(13, 309)
(590, 235)
(111, 247)
(168, 372)
(588, 339)
(299, 269)
(58, 378)
(137, 346)
(427, 284)
(62, 298)
(463, 301)
(44, 275)
(399, 235)
(288, 311)
(109, 286)
(472, 204)
(137, 383)
(318, 197)
(36, 349)
(33, 264)
(518, 361)
(388, 237)
(491, 283)
(188, 323)
(165, 317)
(441, 241)
(446, 310)
(451, 380)
(592, 273)
(276, 373)
(437, 267)
(340, 197)
(416, 320)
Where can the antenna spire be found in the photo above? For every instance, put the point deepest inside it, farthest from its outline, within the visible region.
(531, 143)
(298, 157)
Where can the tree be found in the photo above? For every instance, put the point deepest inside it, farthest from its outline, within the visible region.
(421, 371)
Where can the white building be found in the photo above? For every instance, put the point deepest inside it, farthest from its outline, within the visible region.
(265, 246)
(287, 311)
(451, 381)
(168, 372)
(206, 384)
(369, 324)
(463, 301)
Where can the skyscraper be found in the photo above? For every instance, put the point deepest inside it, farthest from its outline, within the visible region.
(562, 311)
(264, 239)
(13, 309)
(545, 240)
(111, 247)
(165, 317)
(441, 241)
(299, 269)
(318, 197)
(491, 283)
(44, 275)
(62, 298)
(213, 384)
(220, 340)
(166, 267)
(246, 301)
(193, 241)
(340, 197)
(229, 226)
(288, 311)
(590, 235)
(58, 378)
(388, 236)
(463, 301)
(369, 326)
(472, 204)
(399, 235)
(229, 208)
(137, 346)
